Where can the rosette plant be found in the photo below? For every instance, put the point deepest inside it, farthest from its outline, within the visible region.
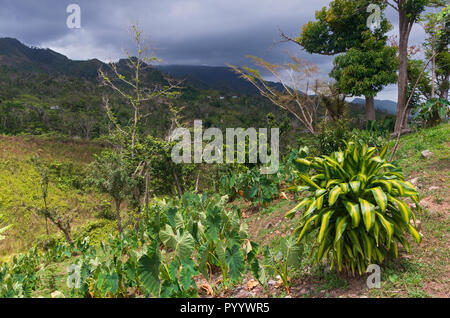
(355, 206)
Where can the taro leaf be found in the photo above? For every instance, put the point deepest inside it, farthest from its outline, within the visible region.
(188, 271)
(213, 223)
(130, 270)
(108, 282)
(259, 272)
(149, 267)
(203, 254)
(168, 237)
(183, 244)
(292, 251)
(235, 262)
(253, 252)
(172, 211)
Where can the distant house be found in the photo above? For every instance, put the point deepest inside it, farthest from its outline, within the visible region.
(221, 97)
(234, 97)
(54, 107)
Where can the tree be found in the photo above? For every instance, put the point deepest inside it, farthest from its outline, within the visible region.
(366, 63)
(126, 80)
(340, 27)
(63, 221)
(366, 70)
(437, 27)
(408, 13)
(297, 79)
(112, 175)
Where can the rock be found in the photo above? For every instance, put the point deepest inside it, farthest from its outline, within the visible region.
(418, 224)
(427, 154)
(414, 181)
(304, 291)
(57, 294)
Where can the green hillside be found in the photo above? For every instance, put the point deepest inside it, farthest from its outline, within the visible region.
(422, 274)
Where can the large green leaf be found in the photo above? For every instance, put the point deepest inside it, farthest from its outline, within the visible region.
(388, 226)
(235, 262)
(380, 197)
(183, 244)
(149, 268)
(187, 274)
(353, 210)
(324, 225)
(341, 225)
(291, 213)
(334, 194)
(368, 213)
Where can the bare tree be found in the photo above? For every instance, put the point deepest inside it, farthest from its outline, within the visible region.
(131, 89)
(298, 78)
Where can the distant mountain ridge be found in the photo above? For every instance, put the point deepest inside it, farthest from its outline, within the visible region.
(212, 77)
(387, 106)
(15, 54)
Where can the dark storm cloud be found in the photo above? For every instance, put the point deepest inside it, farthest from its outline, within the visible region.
(201, 32)
(182, 31)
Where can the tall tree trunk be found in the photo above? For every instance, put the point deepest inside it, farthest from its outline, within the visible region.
(180, 193)
(147, 180)
(370, 108)
(119, 219)
(404, 27)
(446, 85)
(433, 69)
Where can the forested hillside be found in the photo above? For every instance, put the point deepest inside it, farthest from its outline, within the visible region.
(134, 180)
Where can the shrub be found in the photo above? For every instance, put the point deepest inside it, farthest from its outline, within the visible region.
(97, 231)
(3, 230)
(370, 138)
(356, 207)
(432, 112)
(105, 211)
(331, 136)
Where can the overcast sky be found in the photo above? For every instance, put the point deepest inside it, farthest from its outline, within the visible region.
(198, 32)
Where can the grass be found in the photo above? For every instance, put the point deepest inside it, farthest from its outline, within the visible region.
(422, 273)
(20, 194)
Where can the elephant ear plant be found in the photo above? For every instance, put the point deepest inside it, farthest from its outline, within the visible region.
(355, 207)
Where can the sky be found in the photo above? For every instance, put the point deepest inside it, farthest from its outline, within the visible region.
(194, 32)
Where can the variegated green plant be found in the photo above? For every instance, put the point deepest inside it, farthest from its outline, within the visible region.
(356, 206)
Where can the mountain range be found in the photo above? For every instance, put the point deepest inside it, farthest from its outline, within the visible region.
(385, 106)
(15, 54)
